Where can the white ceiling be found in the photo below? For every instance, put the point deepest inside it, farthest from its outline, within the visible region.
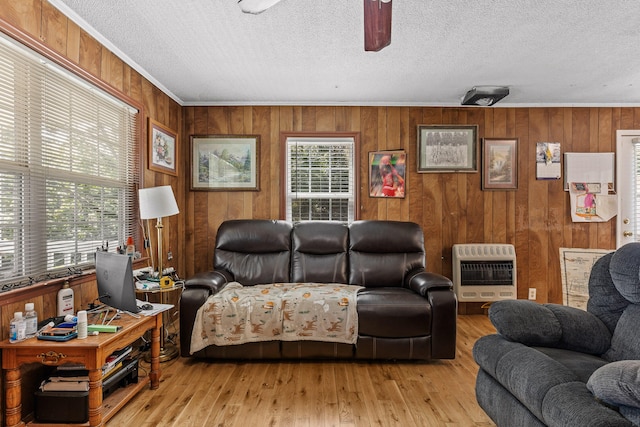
(311, 52)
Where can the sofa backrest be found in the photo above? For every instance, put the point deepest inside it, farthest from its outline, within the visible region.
(255, 251)
(365, 253)
(381, 253)
(319, 252)
(614, 297)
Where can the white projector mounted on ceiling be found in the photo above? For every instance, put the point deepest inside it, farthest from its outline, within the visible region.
(485, 96)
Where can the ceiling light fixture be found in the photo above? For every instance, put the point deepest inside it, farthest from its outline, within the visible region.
(485, 96)
(256, 6)
(377, 24)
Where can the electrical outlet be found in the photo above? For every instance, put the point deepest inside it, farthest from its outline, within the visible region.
(169, 256)
(532, 293)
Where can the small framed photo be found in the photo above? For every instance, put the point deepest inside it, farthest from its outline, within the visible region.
(163, 153)
(224, 162)
(447, 148)
(499, 164)
(387, 173)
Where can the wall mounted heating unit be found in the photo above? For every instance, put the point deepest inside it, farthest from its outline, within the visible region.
(484, 272)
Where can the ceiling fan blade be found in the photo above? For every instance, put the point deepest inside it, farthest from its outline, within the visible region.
(377, 24)
(256, 6)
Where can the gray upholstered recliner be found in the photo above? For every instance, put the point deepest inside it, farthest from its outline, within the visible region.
(553, 365)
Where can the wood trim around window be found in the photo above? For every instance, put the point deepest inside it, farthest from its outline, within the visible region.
(283, 164)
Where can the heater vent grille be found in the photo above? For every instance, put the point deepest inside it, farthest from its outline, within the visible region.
(484, 272)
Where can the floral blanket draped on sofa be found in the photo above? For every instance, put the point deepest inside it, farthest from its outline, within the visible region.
(280, 311)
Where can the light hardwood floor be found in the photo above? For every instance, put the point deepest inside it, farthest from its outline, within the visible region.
(316, 393)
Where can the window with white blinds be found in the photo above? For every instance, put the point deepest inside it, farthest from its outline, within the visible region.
(68, 169)
(320, 179)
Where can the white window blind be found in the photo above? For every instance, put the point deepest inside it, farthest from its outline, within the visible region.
(320, 179)
(68, 169)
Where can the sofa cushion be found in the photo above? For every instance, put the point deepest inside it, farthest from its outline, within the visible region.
(393, 313)
(625, 271)
(254, 251)
(617, 383)
(582, 365)
(550, 325)
(605, 301)
(625, 344)
(513, 320)
(319, 252)
(381, 253)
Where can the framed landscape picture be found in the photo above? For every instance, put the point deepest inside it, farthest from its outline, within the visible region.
(224, 162)
(499, 164)
(162, 150)
(447, 148)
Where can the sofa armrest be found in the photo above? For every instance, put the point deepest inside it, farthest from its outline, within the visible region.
(444, 309)
(550, 325)
(211, 280)
(422, 281)
(196, 291)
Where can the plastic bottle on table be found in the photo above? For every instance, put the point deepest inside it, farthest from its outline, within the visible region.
(30, 320)
(131, 249)
(82, 324)
(17, 330)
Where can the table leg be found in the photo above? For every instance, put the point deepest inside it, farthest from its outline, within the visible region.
(155, 354)
(13, 397)
(95, 397)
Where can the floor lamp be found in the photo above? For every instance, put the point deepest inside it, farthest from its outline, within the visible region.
(159, 202)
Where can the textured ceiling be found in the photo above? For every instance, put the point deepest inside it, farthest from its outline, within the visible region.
(207, 52)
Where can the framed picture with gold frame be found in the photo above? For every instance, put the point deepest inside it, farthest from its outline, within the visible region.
(162, 148)
(225, 162)
(499, 163)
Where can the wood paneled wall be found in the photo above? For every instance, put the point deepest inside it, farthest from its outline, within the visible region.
(451, 207)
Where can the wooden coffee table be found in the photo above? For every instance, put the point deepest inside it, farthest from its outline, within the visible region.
(90, 352)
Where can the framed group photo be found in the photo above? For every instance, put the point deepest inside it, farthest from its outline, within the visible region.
(499, 164)
(447, 148)
(387, 173)
(162, 150)
(224, 162)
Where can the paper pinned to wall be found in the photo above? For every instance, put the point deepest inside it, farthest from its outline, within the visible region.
(590, 202)
(548, 160)
(575, 268)
(590, 168)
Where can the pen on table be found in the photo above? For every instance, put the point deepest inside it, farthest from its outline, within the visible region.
(48, 325)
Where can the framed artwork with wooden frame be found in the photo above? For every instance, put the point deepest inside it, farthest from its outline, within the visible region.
(387, 173)
(499, 163)
(162, 148)
(224, 162)
(447, 148)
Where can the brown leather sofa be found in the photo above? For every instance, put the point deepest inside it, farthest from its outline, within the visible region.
(404, 312)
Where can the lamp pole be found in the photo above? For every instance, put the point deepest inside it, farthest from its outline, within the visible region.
(159, 227)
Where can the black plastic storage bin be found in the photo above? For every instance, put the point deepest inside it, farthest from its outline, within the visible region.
(62, 406)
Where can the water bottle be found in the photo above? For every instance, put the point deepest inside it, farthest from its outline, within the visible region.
(82, 324)
(17, 329)
(30, 320)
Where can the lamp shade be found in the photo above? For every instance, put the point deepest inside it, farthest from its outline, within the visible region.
(157, 202)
